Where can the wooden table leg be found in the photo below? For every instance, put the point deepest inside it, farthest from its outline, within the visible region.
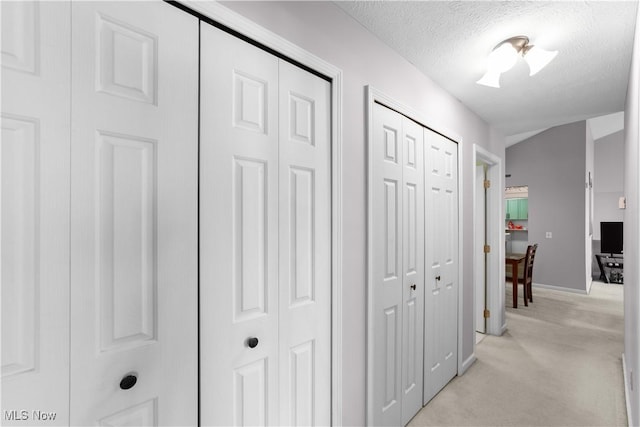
(524, 285)
(514, 280)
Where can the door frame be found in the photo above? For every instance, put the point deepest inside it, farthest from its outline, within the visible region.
(479, 222)
(495, 237)
(373, 96)
(249, 29)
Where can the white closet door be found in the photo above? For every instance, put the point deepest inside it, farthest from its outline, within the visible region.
(398, 267)
(305, 248)
(265, 230)
(134, 214)
(412, 268)
(387, 282)
(34, 173)
(238, 232)
(441, 252)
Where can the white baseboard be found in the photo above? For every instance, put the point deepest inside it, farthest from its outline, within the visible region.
(467, 363)
(560, 288)
(627, 393)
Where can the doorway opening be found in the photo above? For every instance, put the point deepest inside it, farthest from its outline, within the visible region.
(488, 247)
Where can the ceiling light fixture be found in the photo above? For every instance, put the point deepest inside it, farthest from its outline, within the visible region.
(504, 56)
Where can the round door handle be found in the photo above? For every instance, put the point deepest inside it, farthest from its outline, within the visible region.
(128, 381)
(252, 342)
(437, 277)
(413, 286)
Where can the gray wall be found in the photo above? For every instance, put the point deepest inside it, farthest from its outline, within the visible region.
(632, 234)
(609, 180)
(326, 31)
(552, 163)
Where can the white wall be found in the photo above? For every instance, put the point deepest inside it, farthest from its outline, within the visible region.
(326, 31)
(632, 236)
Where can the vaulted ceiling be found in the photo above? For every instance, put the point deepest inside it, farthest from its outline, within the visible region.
(449, 41)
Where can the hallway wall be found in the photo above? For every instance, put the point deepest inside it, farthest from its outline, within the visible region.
(326, 31)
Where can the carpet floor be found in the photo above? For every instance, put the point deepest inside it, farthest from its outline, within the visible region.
(558, 364)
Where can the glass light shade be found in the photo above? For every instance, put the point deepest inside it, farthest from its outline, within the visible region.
(502, 58)
(538, 58)
(491, 79)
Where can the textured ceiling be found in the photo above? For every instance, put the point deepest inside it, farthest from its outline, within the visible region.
(450, 40)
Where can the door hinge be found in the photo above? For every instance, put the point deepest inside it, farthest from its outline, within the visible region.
(487, 184)
(487, 249)
(487, 314)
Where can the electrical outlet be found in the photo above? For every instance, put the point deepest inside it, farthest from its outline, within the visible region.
(548, 235)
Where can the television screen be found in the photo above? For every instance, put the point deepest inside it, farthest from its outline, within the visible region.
(611, 237)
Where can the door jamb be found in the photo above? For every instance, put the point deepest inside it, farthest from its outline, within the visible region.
(250, 29)
(495, 238)
(374, 95)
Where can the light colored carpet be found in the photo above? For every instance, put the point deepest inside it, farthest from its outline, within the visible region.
(558, 364)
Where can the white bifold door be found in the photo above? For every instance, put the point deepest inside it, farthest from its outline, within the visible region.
(265, 233)
(441, 252)
(413, 310)
(99, 214)
(134, 214)
(397, 192)
(34, 171)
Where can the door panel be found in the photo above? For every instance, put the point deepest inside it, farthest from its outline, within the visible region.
(265, 238)
(398, 267)
(134, 214)
(441, 253)
(385, 370)
(413, 268)
(34, 172)
(238, 232)
(304, 247)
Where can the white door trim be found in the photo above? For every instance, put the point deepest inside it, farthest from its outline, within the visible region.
(495, 238)
(374, 95)
(250, 29)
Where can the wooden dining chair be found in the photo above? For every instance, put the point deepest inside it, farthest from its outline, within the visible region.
(525, 275)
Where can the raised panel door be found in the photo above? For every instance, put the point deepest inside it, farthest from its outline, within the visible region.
(441, 265)
(412, 268)
(265, 238)
(239, 296)
(34, 172)
(134, 214)
(304, 247)
(386, 298)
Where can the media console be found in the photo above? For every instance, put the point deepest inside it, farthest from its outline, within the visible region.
(611, 268)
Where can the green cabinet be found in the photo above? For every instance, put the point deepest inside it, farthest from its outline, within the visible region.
(517, 208)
